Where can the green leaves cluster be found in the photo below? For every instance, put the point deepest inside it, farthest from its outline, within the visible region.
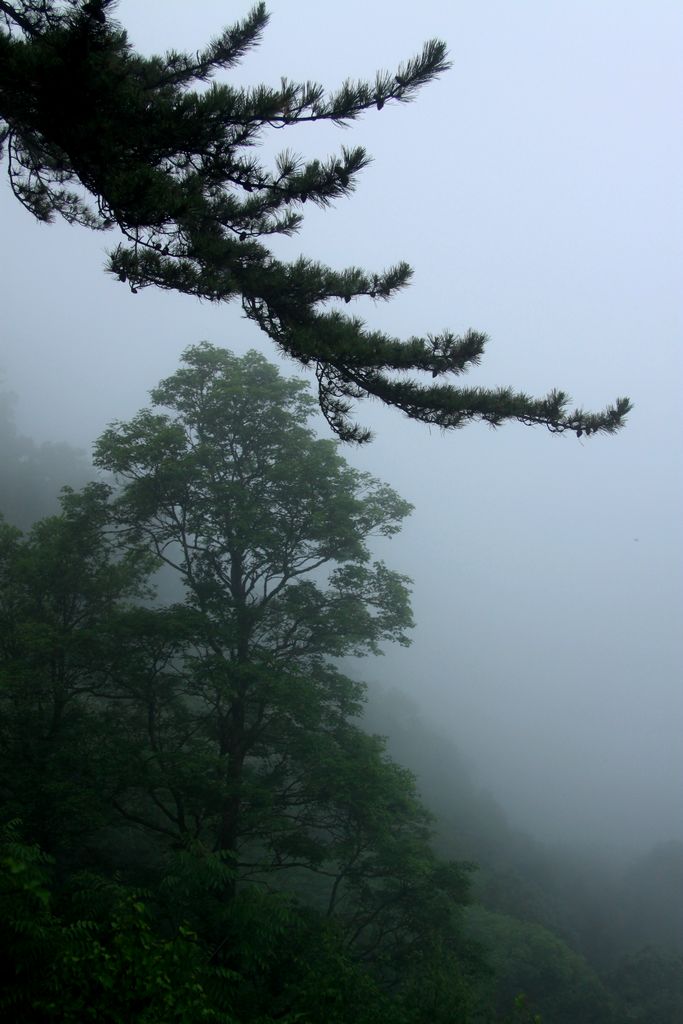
(112, 965)
(104, 137)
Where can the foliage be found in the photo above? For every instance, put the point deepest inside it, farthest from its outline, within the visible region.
(104, 137)
(62, 588)
(217, 823)
(120, 723)
(120, 962)
(114, 968)
(525, 957)
(650, 986)
(266, 528)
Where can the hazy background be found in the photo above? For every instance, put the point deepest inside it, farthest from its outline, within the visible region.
(535, 189)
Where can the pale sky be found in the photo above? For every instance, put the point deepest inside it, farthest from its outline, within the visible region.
(535, 189)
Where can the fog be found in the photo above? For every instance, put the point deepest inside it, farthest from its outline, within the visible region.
(535, 190)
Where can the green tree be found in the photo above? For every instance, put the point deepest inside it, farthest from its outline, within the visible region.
(61, 589)
(110, 964)
(110, 953)
(210, 750)
(527, 958)
(247, 741)
(104, 137)
(649, 985)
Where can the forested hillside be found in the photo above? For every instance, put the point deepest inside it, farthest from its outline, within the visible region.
(201, 821)
(586, 934)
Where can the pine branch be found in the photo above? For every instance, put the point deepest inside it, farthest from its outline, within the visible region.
(84, 116)
(449, 408)
(13, 15)
(223, 52)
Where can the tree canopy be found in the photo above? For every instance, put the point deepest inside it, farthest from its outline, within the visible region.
(102, 136)
(209, 748)
(266, 528)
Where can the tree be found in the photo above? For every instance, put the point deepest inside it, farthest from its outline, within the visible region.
(649, 985)
(247, 740)
(109, 953)
(210, 750)
(528, 958)
(61, 589)
(233, 492)
(103, 137)
(111, 965)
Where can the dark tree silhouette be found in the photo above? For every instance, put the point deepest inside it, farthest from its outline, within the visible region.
(104, 137)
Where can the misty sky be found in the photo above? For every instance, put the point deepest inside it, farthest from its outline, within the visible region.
(535, 189)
